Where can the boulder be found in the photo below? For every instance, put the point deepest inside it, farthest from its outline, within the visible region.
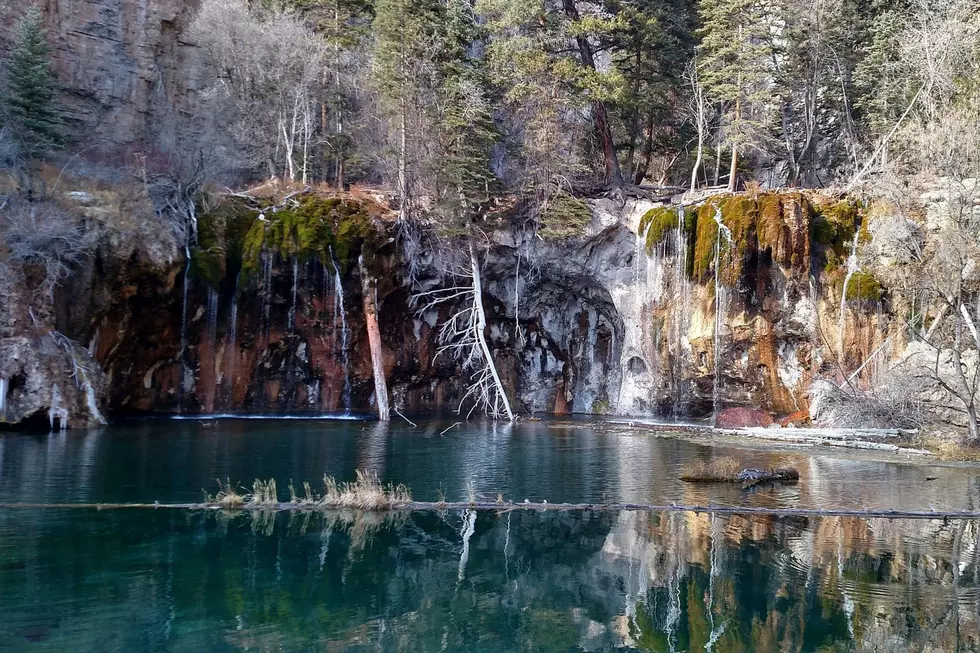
(743, 418)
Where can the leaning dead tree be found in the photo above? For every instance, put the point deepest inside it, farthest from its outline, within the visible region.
(369, 294)
(463, 335)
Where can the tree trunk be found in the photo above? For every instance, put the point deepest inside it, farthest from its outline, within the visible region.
(697, 161)
(717, 165)
(973, 424)
(733, 172)
(402, 168)
(369, 294)
(481, 325)
(635, 117)
(614, 175)
(641, 172)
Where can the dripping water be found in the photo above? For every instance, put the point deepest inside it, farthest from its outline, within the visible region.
(720, 306)
(3, 397)
(292, 307)
(852, 267)
(266, 291)
(183, 329)
(213, 344)
(232, 340)
(682, 303)
(344, 334)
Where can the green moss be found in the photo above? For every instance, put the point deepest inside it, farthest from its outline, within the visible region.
(656, 224)
(833, 224)
(705, 240)
(220, 239)
(565, 217)
(863, 286)
(317, 227)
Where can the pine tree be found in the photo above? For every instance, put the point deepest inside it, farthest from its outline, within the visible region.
(31, 87)
(465, 125)
(734, 55)
(404, 71)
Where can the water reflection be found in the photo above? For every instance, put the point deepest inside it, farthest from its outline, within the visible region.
(579, 462)
(465, 581)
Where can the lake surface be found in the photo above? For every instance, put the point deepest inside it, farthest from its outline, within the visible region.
(160, 580)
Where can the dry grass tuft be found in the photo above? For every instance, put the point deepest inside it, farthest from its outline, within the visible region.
(263, 493)
(719, 470)
(366, 493)
(227, 496)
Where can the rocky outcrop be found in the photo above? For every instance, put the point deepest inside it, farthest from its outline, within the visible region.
(127, 76)
(267, 314)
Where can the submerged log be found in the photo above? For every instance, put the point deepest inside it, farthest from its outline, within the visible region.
(748, 476)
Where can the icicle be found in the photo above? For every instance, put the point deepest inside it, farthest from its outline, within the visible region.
(183, 329)
(719, 311)
(3, 397)
(344, 335)
(292, 306)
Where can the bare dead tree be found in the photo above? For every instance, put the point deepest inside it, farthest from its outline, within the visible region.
(42, 236)
(268, 81)
(463, 334)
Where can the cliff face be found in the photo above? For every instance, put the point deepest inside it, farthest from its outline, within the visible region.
(127, 77)
(621, 319)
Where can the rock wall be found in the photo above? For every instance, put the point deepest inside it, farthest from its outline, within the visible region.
(267, 316)
(127, 76)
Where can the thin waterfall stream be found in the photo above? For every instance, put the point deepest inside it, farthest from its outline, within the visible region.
(720, 305)
(852, 268)
(183, 328)
(232, 341)
(340, 311)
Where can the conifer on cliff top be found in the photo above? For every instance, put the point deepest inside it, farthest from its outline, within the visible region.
(31, 87)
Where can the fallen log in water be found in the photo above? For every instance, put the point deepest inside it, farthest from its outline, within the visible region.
(748, 476)
(302, 507)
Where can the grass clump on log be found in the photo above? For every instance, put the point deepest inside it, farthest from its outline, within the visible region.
(228, 496)
(365, 493)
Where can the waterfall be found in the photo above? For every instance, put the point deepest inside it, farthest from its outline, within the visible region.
(213, 345)
(338, 310)
(266, 291)
(3, 398)
(720, 306)
(232, 339)
(852, 267)
(90, 401)
(292, 307)
(682, 314)
(183, 329)
(57, 413)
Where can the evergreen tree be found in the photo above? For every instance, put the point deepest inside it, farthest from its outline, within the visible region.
(407, 42)
(735, 54)
(31, 87)
(465, 126)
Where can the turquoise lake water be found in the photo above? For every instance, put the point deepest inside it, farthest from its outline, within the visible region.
(161, 580)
